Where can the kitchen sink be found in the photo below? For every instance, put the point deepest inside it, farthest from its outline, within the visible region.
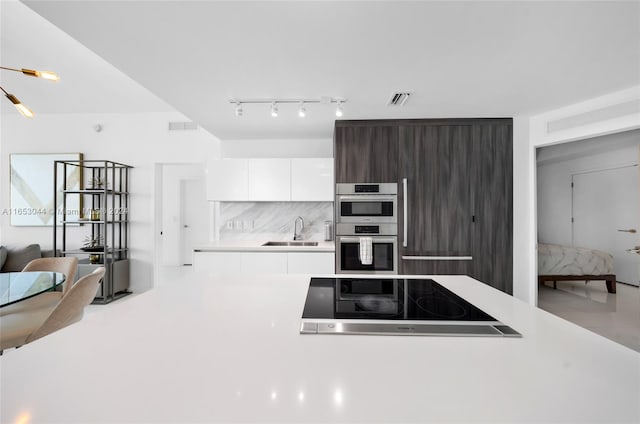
(291, 243)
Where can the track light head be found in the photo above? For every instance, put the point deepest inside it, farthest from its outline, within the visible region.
(25, 111)
(274, 110)
(48, 75)
(239, 110)
(339, 111)
(302, 111)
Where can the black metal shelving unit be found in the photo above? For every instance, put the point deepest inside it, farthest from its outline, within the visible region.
(104, 211)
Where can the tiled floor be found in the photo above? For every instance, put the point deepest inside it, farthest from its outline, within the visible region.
(614, 316)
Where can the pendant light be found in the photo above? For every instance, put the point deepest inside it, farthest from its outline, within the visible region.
(48, 75)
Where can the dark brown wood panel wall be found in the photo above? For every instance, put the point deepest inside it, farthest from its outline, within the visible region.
(366, 154)
(435, 160)
(410, 267)
(493, 205)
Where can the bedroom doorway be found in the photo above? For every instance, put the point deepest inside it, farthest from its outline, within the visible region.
(605, 198)
(606, 216)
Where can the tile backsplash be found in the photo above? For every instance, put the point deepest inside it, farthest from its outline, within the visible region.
(272, 220)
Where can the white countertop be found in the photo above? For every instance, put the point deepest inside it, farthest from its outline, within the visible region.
(205, 349)
(257, 246)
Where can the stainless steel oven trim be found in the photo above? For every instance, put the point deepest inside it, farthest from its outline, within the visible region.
(349, 229)
(350, 188)
(351, 239)
(366, 219)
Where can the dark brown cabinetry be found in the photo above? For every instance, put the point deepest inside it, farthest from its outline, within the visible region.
(457, 176)
(434, 175)
(492, 182)
(365, 152)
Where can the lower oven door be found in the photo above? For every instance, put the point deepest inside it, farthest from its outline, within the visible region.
(385, 256)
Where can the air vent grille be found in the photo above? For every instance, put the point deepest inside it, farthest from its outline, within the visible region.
(399, 98)
(182, 126)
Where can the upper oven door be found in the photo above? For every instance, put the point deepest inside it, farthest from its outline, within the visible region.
(365, 209)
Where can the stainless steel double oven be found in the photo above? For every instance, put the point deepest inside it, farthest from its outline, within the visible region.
(366, 211)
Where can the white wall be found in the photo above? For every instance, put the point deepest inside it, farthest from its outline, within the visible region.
(140, 140)
(523, 201)
(556, 164)
(278, 148)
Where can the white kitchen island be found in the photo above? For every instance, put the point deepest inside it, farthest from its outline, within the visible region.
(223, 349)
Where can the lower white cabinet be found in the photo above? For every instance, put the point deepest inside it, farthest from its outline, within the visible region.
(217, 262)
(243, 263)
(264, 262)
(311, 263)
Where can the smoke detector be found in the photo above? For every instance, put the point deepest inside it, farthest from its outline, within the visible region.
(399, 98)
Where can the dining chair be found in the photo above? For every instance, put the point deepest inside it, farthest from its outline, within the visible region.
(23, 327)
(67, 266)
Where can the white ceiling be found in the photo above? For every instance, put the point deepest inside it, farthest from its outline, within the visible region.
(88, 83)
(462, 59)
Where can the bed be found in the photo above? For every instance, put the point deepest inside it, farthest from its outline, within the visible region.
(567, 263)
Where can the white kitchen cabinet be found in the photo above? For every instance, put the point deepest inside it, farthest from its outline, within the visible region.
(270, 180)
(312, 179)
(311, 263)
(217, 262)
(273, 262)
(228, 180)
(264, 262)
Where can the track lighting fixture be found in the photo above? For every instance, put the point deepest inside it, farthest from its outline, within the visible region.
(302, 108)
(339, 109)
(25, 111)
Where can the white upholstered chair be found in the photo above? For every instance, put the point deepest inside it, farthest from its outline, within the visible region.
(23, 327)
(66, 266)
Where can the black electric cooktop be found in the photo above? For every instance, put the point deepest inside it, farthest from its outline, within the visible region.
(347, 305)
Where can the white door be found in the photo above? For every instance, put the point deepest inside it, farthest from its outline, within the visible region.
(606, 216)
(193, 216)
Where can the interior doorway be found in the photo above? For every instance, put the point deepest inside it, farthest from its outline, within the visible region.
(606, 216)
(172, 193)
(193, 217)
(587, 190)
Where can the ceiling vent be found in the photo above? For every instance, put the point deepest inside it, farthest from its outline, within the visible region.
(182, 126)
(399, 98)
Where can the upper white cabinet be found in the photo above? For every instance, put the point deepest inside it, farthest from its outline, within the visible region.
(272, 180)
(228, 180)
(312, 179)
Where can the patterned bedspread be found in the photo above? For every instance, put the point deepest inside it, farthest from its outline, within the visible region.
(555, 259)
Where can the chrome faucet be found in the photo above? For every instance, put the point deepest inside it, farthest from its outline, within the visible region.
(298, 235)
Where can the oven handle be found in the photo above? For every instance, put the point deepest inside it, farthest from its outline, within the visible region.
(437, 258)
(405, 197)
(375, 239)
(367, 197)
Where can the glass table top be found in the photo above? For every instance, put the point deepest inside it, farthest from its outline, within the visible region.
(17, 286)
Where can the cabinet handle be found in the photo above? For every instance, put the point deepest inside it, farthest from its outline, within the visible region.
(405, 199)
(437, 258)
